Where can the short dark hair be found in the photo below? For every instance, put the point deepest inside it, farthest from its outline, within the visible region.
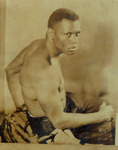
(59, 14)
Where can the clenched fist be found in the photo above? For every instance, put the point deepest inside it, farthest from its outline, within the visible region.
(107, 112)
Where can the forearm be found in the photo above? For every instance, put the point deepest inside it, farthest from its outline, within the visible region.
(15, 89)
(73, 120)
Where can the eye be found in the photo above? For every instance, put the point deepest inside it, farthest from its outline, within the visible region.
(77, 34)
(68, 34)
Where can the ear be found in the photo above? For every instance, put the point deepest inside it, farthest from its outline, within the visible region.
(50, 34)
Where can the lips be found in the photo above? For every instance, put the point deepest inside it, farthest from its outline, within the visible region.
(73, 48)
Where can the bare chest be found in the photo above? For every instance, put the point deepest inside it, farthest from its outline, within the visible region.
(51, 72)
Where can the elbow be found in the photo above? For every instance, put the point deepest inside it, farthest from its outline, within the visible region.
(59, 123)
(8, 71)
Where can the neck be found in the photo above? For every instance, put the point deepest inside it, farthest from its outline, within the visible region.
(51, 48)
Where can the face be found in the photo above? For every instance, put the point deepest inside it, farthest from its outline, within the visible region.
(66, 36)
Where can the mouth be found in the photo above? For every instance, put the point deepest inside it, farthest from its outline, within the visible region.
(72, 49)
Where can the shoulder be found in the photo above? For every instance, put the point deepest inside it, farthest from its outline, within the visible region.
(36, 43)
(32, 47)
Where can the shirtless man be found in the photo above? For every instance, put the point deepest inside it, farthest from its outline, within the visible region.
(38, 70)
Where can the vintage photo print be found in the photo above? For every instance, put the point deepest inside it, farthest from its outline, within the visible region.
(60, 84)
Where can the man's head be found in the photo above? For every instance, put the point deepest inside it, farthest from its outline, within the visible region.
(59, 15)
(64, 29)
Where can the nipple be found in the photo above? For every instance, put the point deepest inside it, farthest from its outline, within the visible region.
(59, 89)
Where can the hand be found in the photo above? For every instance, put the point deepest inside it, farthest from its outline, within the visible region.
(107, 112)
(64, 137)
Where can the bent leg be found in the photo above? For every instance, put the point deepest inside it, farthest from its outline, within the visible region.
(102, 133)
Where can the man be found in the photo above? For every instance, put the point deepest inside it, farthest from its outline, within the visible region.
(38, 71)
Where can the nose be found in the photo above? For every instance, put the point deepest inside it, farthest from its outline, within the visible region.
(73, 39)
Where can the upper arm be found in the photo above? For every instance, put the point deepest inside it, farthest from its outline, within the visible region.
(15, 66)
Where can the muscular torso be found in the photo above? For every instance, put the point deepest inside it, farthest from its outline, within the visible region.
(38, 64)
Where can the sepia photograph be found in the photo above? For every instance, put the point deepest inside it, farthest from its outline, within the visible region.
(59, 72)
